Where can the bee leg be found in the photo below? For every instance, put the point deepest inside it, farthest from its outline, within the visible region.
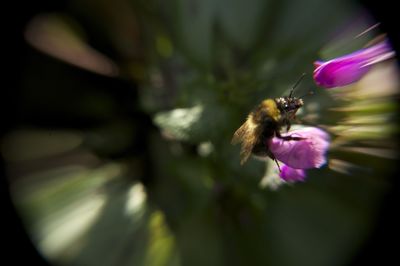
(291, 138)
(288, 127)
(277, 164)
(287, 123)
(278, 135)
(272, 156)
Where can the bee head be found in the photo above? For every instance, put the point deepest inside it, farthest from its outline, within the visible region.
(289, 104)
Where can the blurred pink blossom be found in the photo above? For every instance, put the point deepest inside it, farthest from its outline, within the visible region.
(352, 67)
(301, 154)
(290, 174)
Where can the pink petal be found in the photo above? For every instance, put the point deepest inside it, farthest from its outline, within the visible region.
(350, 68)
(337, 73)
(301, 154)
(290, 174)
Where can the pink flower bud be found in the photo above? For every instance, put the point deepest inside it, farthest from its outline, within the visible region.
(350, 68)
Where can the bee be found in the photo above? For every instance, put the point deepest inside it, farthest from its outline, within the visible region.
(264, 123)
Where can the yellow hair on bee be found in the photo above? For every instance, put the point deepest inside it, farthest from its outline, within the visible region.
(264, 123)
(251, 130)
(272, 108)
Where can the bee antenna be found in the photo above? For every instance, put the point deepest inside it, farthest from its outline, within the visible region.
(297, 83)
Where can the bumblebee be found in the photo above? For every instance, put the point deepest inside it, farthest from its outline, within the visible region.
(264, 123)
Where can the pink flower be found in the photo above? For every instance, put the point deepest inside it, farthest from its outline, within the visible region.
(290, 174)
(301, 154)
(350, 68)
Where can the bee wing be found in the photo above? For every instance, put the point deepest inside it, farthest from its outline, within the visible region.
(247, 147)
(247, 134)
(240, 133)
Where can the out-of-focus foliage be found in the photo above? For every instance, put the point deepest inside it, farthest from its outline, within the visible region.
(121, 153)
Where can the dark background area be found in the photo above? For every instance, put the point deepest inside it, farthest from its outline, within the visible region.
(380, 249)
(17, 248)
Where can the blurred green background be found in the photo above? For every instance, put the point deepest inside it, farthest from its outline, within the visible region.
(119, 149)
